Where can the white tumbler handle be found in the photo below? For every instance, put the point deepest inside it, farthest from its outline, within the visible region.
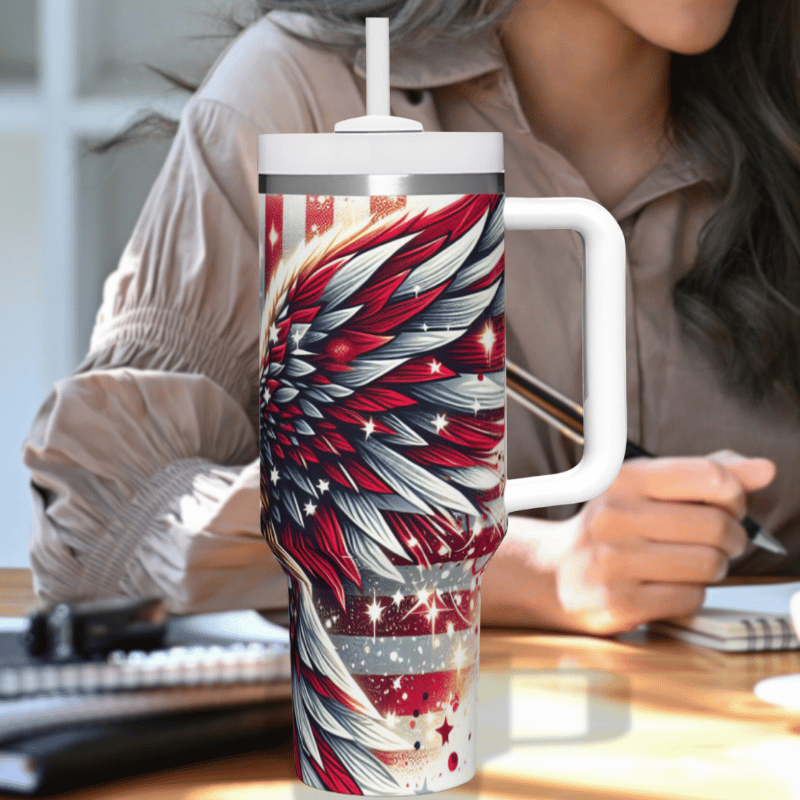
(604, 390)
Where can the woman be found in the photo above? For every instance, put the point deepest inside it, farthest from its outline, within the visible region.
(680, 117)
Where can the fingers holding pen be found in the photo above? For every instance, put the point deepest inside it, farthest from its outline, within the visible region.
(699, 500)
(645, 531)
(721, 479)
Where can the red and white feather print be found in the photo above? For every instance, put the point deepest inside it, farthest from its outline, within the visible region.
(382, 401)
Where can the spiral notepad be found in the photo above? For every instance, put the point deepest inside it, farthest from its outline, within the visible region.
(216, 674)
(732, 630)
(739, 619)
(225, 648)
(176, 666)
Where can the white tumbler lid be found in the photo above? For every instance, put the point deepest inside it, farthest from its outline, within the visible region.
(404, 153)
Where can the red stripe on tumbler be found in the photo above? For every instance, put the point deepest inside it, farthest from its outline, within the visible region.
(412, 617)
(319, 215)
(273, 231)
(422, 692)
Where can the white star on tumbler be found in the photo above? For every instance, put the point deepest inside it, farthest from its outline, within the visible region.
(439, 422)
(273, 332)
(309, 508)
(397, 598)
(274, 476)
(369, 428)
(374, 611)
(459, 656)
(423, 595)
(436, 367)
(323, 486)
(487, 339)
(433, 612)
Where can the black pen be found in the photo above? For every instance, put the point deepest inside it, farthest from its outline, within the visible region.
(567, 416)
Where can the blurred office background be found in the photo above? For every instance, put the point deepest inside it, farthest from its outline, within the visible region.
(72, 73)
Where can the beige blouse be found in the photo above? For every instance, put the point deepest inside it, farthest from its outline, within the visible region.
(144, 461)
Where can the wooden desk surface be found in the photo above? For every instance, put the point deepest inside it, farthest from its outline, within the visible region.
(562, 718)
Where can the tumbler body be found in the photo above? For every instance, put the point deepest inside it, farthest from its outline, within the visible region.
(382, 423)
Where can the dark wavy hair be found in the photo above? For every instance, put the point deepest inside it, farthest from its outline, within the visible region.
(736, 115)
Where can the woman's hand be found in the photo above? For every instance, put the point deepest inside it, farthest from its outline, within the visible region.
(647, 547)
(644, 549)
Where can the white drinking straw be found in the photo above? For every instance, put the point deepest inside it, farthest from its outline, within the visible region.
(378, 66)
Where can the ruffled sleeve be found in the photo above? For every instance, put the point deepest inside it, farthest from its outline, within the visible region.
(144, 462)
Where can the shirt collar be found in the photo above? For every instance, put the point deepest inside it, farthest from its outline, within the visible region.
(673, 172)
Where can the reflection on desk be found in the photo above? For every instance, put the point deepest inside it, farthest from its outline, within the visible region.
(573, 718)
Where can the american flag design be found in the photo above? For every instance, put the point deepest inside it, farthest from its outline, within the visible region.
(382, 421)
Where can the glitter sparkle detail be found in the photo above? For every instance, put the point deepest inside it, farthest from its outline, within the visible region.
(487, 339)
(375, 611)
(368, 428)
